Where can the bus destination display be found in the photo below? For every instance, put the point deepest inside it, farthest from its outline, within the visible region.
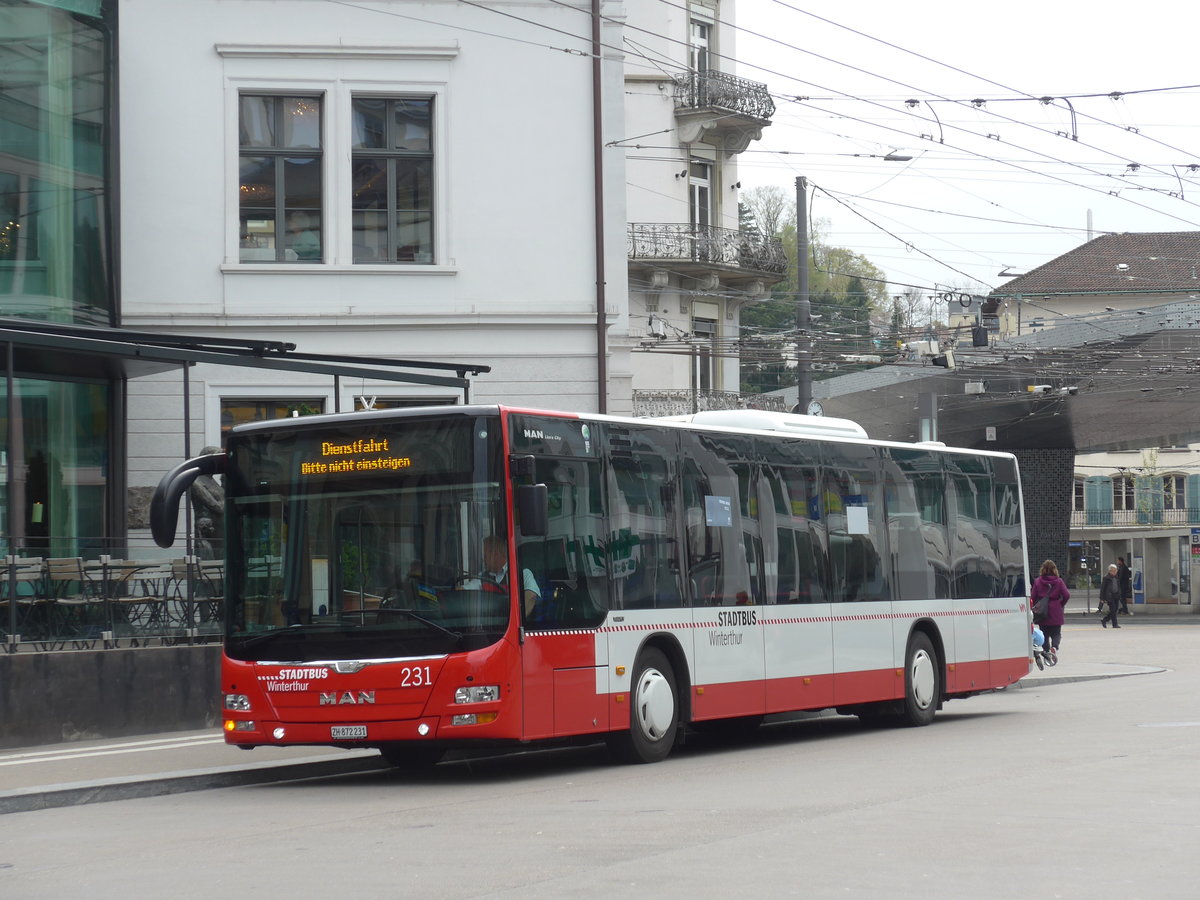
(369, 455)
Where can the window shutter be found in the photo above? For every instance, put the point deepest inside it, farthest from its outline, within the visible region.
(1097, 499)
(1192, 493)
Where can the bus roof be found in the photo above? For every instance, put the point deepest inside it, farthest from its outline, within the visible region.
(750, 420)
(763, 420)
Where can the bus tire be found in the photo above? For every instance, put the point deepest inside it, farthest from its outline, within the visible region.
(922, 681)
(411, 756)
(653, 711)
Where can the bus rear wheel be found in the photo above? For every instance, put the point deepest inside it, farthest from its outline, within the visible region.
(922, 681)
(653, 714)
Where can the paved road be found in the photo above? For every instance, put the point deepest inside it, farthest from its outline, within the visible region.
(101, 770)
(1068, 790)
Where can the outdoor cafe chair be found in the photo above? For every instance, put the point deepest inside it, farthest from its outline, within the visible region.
(24, 586)
(140, 590)
(79, 616)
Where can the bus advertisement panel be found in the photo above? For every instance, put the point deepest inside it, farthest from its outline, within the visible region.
(455, 577)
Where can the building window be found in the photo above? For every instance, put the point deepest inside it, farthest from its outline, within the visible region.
(1122, 490)
(239, 410)
(1080, 502)
(280, 179)
(700, 196)
(705, 331)
(1174, 488)
(392, 179)
(698, 47)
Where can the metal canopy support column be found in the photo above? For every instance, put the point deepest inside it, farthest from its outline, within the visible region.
(189, 547)
(10, 468)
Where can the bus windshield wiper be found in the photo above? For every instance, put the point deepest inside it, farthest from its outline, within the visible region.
(290, 630)
(413, 614)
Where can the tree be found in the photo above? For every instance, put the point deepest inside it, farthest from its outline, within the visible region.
(770, 207)
(848, 295)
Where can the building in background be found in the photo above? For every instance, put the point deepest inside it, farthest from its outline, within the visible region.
(62, 434)
(388, 180)
(691, 268)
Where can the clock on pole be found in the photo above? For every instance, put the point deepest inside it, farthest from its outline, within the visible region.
(815, 408)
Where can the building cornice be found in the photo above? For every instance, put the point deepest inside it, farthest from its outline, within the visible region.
(435, 51)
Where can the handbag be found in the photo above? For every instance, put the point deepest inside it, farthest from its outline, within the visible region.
(1041, 608)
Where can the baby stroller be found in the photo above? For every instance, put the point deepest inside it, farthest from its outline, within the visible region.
(1043, 653)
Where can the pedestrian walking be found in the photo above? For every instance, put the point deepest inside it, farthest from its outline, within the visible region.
(1048, 615)
(1125, 577)
(1110, 594)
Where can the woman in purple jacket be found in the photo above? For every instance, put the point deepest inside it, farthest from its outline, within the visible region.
(1050, 585)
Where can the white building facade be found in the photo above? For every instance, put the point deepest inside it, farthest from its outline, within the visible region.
(691, 270)
(394, 180)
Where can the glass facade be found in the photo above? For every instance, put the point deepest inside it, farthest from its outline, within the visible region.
(55, 487)
(56, 266)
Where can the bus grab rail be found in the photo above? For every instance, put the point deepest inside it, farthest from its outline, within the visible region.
(164, 505)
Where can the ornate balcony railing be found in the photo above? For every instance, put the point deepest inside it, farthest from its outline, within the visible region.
(1093, 518)
(707, 244)
(680, 402)
(718, 90)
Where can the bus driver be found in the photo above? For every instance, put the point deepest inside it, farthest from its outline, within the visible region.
(495, 562)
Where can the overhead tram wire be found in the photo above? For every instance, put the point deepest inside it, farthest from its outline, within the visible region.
(684, 43)
(997, 84)
(588, 54)
(872, 124)
(944, 99)
(860, 70)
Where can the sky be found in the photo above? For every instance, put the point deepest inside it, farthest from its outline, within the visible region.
(1003, 185)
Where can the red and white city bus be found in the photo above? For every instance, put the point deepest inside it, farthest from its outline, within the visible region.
(666, 573)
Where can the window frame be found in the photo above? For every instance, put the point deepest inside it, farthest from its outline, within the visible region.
(421, 69)
(281, 153)
(393, 156)
(1124, 493)
(1174, 491)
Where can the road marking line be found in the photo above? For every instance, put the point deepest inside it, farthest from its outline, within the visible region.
(179, 743)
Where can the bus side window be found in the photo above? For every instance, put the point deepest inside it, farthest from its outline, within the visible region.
(567, 563)
(642, 547)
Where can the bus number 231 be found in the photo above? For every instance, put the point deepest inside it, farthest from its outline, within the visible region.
(415, 676)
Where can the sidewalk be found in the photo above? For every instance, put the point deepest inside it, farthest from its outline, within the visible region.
(152, 765)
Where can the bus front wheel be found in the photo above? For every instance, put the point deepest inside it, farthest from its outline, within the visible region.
(653, 713)
(922, 681)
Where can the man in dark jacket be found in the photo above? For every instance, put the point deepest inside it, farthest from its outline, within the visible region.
(1125, 578)
(1110, 594)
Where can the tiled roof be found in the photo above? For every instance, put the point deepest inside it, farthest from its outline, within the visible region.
(1118, 263)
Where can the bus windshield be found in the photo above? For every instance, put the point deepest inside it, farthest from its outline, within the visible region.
(364, 538)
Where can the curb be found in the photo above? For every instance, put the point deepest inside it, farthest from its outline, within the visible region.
(1040, 680)
(133, 787)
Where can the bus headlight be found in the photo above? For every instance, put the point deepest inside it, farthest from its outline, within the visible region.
(237, 702)
(234, 725)
(480, 693)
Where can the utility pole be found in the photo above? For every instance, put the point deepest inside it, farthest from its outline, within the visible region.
(803, 307)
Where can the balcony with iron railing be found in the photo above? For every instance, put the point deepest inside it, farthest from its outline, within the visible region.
(721, 109)
(681, 401)
(739, 256)
(1135, 518)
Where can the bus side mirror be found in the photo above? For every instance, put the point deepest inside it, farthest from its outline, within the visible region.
(533, 505)
(164, 505)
